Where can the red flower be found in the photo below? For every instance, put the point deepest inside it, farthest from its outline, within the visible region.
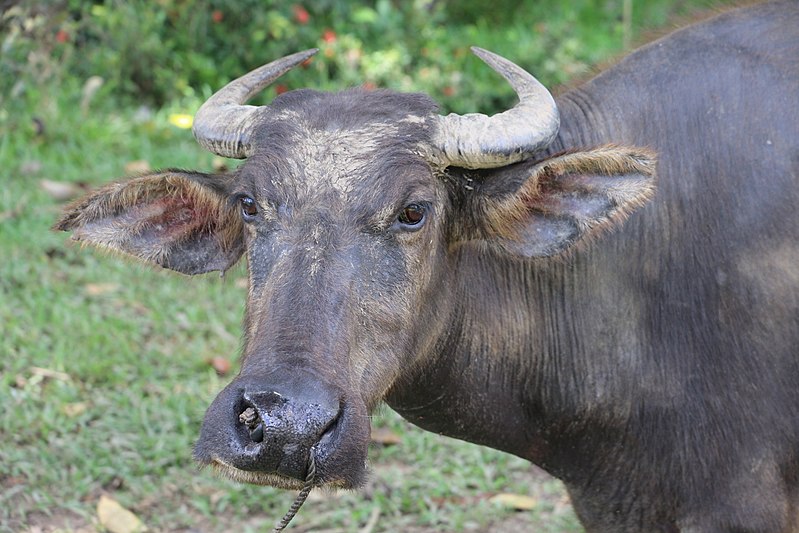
(329, 36)
(62, 36)
(300, 14)
(217, 16)
(449, 90)
(280, 88)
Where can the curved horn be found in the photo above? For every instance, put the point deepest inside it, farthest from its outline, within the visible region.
(478, 141)
(223, 125)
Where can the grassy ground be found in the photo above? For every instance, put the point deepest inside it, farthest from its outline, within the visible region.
(106, 375)
(105, 370)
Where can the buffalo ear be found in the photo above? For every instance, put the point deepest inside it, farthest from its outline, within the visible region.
(179, 220)
(565, 200)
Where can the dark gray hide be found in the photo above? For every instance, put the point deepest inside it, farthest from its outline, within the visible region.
(654, 371)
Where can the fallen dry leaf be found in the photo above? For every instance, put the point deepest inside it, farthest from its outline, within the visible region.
(221, 365)
(116, 518)
(518, 502)
(385, 436)
(74, 409)
(46, 373)
(60, 191)
(130, 306)
(140, 166)
(89, 90)
(98, 289)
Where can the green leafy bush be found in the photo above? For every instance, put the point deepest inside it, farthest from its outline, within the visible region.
(154, 52)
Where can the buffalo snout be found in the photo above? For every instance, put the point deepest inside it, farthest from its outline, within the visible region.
(263, 430)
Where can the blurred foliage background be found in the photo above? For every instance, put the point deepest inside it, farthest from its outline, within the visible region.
(156, 51)
(106, 367)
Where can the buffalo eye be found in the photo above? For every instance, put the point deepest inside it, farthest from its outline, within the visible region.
(412, 215)
(248, 208)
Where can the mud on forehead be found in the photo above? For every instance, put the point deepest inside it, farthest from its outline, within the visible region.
(314, 141)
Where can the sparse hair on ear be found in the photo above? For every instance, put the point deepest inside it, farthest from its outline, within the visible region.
(177, 219)
(569, 199)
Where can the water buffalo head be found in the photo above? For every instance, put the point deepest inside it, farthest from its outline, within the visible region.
(353, 210)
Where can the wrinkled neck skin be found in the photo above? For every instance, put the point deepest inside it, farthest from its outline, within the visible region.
(653, 371)
(637, 348)
(504, 324)
(505, 369)
(481, 379)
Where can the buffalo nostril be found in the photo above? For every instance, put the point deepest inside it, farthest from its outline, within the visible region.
(257, 434)
(249, 417)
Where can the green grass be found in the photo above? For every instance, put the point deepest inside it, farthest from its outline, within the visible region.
(125, 351)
